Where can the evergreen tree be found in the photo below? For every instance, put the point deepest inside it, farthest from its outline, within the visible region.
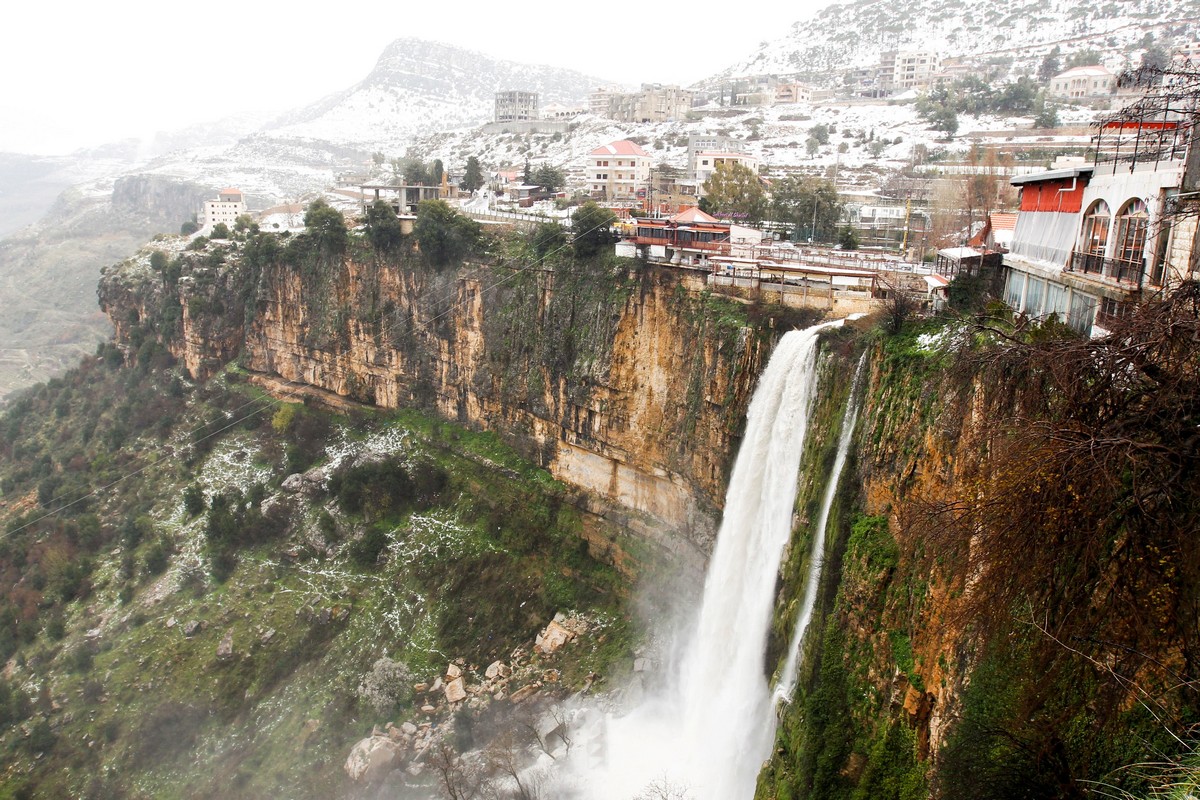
(383, 227)
(734, 190)
(444, 235)
(473, 176)
(327, 227)
(549, 177)
(810, 206)
(591, 229)
(1051, 65)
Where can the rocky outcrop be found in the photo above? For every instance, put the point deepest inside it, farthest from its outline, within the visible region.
(165, 200)
(631, 384)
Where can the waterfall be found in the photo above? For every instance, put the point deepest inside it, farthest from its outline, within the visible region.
(711, 729)
(787, 678)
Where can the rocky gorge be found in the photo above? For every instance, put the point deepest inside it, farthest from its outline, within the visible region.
(439, 459)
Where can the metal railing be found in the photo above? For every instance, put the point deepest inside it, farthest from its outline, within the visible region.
(1112, 269)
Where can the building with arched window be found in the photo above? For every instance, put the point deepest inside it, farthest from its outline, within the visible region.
(1091, 238)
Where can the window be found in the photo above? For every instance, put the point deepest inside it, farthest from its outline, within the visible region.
(1014, 288)
(1095, 229)
(1082, 313)
(1033, 297)
(1132, 224)
(1056, 300)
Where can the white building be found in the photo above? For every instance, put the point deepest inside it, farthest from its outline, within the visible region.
(229, 205)
(1090, 239)
(706, 163)
(914, 70)
(618, 171)
(1080, 83)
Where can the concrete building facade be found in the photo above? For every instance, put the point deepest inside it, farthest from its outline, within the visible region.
(514, 105)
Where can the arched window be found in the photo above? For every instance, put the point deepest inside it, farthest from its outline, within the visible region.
(1095, 236)
(1133, 224)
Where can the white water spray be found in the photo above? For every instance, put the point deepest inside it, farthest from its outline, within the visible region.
(787, 678)
(711, 730)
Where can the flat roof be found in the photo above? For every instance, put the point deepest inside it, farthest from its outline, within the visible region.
(816, 270)
(1052, 175)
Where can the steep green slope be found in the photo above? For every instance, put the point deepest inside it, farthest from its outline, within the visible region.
(146, 526)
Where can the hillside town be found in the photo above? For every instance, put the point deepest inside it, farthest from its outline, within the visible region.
(1079, 229)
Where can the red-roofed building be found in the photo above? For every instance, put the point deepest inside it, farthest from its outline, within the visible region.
(692, 236)
(618, 171)
(997, 232)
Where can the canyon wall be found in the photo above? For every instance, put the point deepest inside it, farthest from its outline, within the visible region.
(623, 379)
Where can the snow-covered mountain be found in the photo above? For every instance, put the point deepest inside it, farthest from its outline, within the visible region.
(418, 86)
(854, 33)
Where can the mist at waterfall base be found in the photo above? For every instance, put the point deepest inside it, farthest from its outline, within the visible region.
(704, 731)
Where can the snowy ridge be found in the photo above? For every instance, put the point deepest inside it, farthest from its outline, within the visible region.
(851, 34)
(419, 86)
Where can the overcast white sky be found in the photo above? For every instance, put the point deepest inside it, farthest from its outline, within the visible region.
(78, 74)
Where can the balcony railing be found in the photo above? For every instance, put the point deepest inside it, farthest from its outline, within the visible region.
(1111, 269)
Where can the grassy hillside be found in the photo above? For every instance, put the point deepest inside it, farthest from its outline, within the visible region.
(146, 525)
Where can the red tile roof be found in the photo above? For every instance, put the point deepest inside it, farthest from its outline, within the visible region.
(621, 148)
(692, 216)
(1004, 221)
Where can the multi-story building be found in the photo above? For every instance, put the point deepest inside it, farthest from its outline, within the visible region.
(914, 70)
(618, 171)
(1083, 83)
(516, 106)
(1091, 238)
(710, 143)
(599, 99)
(788, 93)
(654, 103)
(229, 205)
(707, 163)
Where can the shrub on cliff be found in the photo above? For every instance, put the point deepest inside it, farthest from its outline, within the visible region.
(383, 227)
(327, 227)
(591, 229)
(444, 236)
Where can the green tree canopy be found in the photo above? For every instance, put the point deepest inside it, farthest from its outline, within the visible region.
(810, 206)
(383, 227)
(444, 235)
(734, 190)
(1051, 65)
(327, 227)
(591, 229)
(848, 239)
(548, 238)
(549, 177)
(1084, 58)
(473, 176)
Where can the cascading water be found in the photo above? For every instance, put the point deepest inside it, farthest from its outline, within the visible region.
(791, 666)
(711, 729)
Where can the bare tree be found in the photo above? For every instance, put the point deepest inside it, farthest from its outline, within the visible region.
(663, 789)
(507, 758)
(456, 780)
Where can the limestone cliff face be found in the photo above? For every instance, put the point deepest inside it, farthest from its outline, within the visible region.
(626, 383)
